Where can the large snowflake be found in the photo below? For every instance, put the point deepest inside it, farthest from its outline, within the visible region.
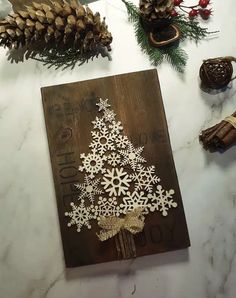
(116, 181)
(103, 140)
(89, 188)
(132, 156)
(144, 178)
(161, 200)
(92, 163)
(134, 200)
(80, 216)
(105, 207)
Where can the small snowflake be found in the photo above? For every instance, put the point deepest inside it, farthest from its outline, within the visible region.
(144, 178)
(134, 200)
(92, 163)
(105, 207)
(121, 141)
(113, 159)
(116, 182)
(80, 216)
(109, 116)
(116, 127)
(98, 123)
(89, 188)
(161, 200)
(132, 156)
(103, 140)
(103, 104)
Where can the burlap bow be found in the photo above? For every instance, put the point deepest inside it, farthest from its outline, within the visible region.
(132, 222)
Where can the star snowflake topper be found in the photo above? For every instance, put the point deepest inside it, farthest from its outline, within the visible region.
(117, 177)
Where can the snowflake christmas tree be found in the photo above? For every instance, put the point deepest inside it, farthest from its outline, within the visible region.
(117, 178)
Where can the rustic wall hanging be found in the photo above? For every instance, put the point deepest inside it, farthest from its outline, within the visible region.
(160, 25)
(115, 179)
(58, 35)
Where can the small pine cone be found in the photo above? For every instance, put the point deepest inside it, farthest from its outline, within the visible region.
(70, 25)
(155, 9)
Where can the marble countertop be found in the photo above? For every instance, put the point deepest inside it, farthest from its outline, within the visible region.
(31, 256)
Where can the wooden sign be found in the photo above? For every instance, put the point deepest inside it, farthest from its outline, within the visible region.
(69, 110)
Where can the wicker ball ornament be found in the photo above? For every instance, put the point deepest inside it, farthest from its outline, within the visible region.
(216, 73)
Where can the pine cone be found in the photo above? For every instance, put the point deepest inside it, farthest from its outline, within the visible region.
(152, 10)
(68, 25)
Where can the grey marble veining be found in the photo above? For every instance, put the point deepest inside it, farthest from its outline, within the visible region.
(31, 256)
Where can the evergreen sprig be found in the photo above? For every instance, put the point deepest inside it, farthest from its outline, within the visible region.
(175, 55)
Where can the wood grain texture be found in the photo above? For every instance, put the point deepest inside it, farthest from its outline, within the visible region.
(137, 102)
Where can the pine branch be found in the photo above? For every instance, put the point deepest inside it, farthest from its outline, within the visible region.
(132, 10)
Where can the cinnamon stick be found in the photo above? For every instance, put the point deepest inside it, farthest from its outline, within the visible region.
(219, 137)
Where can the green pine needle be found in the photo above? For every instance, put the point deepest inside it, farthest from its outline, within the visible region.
(176, 56)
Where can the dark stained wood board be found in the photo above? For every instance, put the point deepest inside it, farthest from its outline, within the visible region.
(137, 101)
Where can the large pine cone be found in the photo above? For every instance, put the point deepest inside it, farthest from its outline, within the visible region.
(70, 24)
(152, 10)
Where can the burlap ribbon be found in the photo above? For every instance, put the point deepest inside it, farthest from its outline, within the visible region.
(132, 222)
(231, 120)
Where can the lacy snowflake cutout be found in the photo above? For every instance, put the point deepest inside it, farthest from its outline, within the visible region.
(144, 178)
(121, 141)
(116, 127)
(103, 104)
(92, 163)
(80, 216)
(103, 141)
(105, 207)
(89, 189)
(161, 200)
(109, 116)
(132, 156)
(98, 123)
(113, 159)
(116, 182)
(134, 200)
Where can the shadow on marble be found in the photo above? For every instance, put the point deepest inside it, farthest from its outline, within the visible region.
(128, 267)
(222, 159)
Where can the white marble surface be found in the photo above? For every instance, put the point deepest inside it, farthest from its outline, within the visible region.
(31, 257)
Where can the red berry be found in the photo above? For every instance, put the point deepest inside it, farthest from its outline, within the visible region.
(203, 3)
(205, 13)
(173, 13)
(177, 2)
(193, 13)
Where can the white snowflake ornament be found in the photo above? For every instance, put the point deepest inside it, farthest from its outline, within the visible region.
(92, 163)
(134, 200)
(89, 188)
(144, 178)
(103, 104)
(116, 182)
(116, 127)
(132, 156)
(80, 216)
(109, 116)
(162, 200)
(103, 141)
(121, 141)
(98, 123)
(113, 159)
(105, 207)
